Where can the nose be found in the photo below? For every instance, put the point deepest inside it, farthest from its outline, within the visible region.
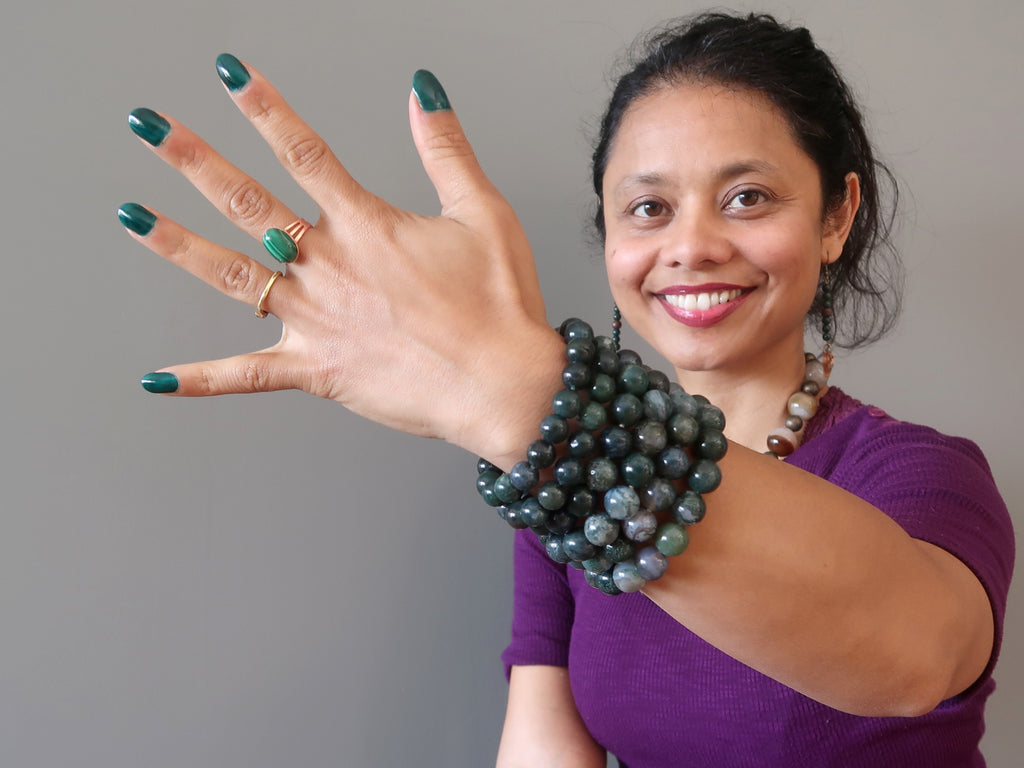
(696, 238)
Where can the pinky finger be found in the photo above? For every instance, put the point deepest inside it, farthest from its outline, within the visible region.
(242, 374)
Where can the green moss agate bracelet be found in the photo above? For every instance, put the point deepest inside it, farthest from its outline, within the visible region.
(630, 456)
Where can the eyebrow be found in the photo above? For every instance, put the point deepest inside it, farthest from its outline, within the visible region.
(655, 178)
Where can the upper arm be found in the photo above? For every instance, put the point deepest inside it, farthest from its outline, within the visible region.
(543, 728)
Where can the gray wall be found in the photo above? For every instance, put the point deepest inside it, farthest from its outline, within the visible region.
(265, 581)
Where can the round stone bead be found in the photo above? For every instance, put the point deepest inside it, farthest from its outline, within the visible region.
(504, 490)
(591, 577)
(524, 477)
(689, 508)
(616, 442)
(673, 463)
(620, 550)
(640, 527)
(567, 404)
(553, 546)
(575, 564)
(483, 465)
(684, 402)
(485, 481)
(581, 351)
(597, 564)
(581, 504)
(651, 564)
(629, 357)
(638, 469)
(606, 344)
(657, 405)
(704, 476)
(554, 429)
(593, 416)
(782, 441)
(803, 405)
(659, 495)
(632, 379)
(622, 502)
(713, 444)
(810, 387)
(569, 472)
(532, 513)
(601, 530)
(627, 409)
(577, 547)
(683, 429)
(540, 454)
(602, 474)
(582, 444)
(551, 496)
(794, 423)
(658, 381)
(711, 417)
(514, 518)
(626, 577)
(651, 437)
(603, 388)
(671, 539)
(608, 362)
(577, 376)
(606, 583)
(815, 372)
(561, 522)
(574, 328)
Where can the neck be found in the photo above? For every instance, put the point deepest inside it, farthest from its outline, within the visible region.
(753, 397)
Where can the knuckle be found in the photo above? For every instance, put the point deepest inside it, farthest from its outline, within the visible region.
(248, 202)
(305, 154)
(238, 276)
(192, 159)
(255, 376)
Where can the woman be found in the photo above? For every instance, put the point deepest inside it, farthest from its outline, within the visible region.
(841, 607)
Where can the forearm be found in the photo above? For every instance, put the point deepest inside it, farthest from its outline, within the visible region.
(819, 590)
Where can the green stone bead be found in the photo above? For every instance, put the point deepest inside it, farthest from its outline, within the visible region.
(704, 476)
(567, 404)
(683, 429)
(620, 550)
(689, 508)
(627, 409)
(633, 379)
(603, 388)
(713, 444)
(551, 496)
(593, 417)
(504, 489)
(602, 474)
(711, 417)
(280, 245)
(638, 469)
(671, 539)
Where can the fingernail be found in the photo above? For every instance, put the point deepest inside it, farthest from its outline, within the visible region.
(160, 383)
(232, 72)
(136, 218)
(280, 245)
(148, 125)
(429, 92)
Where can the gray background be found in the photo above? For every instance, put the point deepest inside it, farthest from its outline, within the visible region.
(269, 580)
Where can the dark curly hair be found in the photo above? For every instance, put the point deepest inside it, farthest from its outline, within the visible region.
(783, 64)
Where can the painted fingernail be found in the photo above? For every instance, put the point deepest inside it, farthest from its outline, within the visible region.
(429, 92)
(136, 218)
(280, 245)
(148, 125)
(160, 383)
(232, 72)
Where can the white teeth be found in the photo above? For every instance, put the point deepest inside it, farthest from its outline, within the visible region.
(702, 301)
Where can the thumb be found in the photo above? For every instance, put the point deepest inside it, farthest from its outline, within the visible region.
(445, 151)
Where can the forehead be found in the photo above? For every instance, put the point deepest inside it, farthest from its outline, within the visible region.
(687, 128)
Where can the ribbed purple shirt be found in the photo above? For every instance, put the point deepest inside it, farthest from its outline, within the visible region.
(655, 695)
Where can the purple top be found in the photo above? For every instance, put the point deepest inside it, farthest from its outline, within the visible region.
(663, 697)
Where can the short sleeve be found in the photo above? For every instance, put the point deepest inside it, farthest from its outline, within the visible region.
(543, 608)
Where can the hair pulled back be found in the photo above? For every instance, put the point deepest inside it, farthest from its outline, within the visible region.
(785, 66)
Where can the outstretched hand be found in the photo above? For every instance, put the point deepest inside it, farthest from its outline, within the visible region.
(430, 325)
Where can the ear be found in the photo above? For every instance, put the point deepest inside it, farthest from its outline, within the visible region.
(839, 222)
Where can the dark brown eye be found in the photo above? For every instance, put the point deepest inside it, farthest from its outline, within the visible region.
(649, 209)
(746, 199)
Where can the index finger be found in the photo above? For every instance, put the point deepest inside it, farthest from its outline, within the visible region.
(298, 148)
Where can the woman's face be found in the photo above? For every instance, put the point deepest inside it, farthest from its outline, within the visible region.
(714, 228)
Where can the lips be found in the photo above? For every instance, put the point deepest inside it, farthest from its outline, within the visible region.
(702, 306)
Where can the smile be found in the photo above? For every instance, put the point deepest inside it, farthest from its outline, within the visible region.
(701, 302)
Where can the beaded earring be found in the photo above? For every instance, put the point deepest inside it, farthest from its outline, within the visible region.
(828, 325)
(616, 327)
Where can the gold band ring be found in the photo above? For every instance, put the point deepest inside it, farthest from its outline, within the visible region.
(260, 311)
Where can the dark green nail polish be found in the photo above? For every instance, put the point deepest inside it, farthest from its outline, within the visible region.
(160, 383)
(280, 245)
(148, 125)
(232, 72)
(429, 92)
(136, 218)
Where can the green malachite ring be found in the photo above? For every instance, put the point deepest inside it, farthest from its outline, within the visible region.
(283, 244)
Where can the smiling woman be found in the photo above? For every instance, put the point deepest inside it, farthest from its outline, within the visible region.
(843, 605)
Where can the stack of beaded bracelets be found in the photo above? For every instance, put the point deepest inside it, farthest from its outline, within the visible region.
(632, 440)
